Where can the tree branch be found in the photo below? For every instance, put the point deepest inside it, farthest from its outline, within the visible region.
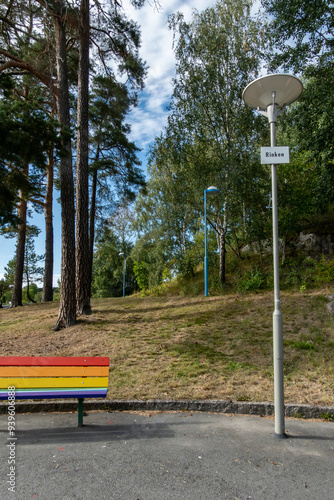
(15, 62)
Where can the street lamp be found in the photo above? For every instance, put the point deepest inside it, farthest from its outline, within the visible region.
(210, 190)
(270, 95)
(124, 265)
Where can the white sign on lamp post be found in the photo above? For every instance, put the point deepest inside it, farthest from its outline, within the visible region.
(276, 155)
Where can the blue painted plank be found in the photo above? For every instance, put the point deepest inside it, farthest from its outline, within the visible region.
(49, 394)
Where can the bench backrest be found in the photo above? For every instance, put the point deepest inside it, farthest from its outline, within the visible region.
(39, 377)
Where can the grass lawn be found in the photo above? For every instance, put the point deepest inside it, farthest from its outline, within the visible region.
(218, 347)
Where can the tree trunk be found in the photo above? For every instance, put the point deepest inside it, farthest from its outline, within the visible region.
(28, 290)
(222, 247)
(67, 306)
(222, 258)
(92, 222)
(83, 288)
(47, 294)
(20, 248)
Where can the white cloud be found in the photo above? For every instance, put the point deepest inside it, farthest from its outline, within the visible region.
(149, 119)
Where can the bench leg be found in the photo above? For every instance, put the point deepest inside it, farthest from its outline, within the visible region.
(80, 412)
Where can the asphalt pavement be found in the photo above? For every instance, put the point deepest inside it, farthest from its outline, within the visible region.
(164, 456)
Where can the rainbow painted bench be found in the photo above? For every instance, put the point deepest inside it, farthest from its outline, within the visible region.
(40, 377)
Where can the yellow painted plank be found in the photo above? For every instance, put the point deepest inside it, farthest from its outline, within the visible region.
(26, 383)
(54, 371)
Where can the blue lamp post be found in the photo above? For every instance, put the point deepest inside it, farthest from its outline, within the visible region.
(124, 266)
(210, 190)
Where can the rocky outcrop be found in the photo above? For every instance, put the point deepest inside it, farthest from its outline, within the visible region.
(330, 305)
(311, 243)
(316, 244)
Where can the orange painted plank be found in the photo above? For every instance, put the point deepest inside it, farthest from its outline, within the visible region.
(52, 361)
(54, 371)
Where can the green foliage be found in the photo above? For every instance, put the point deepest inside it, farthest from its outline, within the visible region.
(321, 223)
(165, 220)
(252, 280)
(32, 271)
(26, 134)
(310, 26)
(153, 255)
(303, 344)
(305, 272)
(308, 128)
(208, 115)
(234, 366)
(302, 33)
(142, 274)
(108, 267)
(299, 272)
(187, 265)
(327, 416)
(211, 138)
(324, 270)
(33, 294)
(115, 163)
(297, 184)
(4, 287)
(10, 271)
(191, 289)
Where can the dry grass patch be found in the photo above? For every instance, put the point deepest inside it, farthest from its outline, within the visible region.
(204, 348)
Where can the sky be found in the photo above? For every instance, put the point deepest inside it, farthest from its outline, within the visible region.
(149, 118)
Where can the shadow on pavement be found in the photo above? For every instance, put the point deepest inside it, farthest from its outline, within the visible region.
(93, 433)
(312, 438)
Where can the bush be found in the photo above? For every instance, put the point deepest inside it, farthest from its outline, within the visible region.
(142, 275)
(187, 266)
(252, 280)
(305, 273)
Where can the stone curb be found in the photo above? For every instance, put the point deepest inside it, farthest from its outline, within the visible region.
(216, 406)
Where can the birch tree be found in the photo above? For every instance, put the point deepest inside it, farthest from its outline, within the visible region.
(218, 54)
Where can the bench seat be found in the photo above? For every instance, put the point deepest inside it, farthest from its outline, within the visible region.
(49, 377)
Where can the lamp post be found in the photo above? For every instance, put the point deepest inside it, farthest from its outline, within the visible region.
(210, 190)
(270, 95)
(124, 265)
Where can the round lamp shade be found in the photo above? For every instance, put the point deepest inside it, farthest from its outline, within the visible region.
(258, 94)
(212, 190)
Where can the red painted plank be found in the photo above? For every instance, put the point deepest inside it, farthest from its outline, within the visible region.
(52, 361)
